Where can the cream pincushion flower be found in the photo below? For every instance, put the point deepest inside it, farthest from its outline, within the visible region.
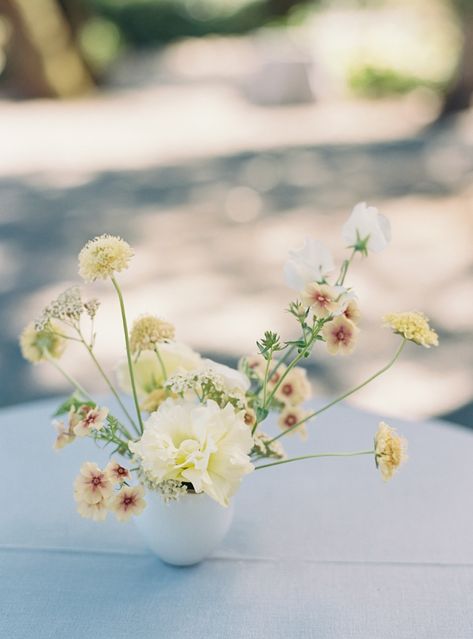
(390, 450)
(103, 256)
(148, 331)
(413, 326)
(206, 446)
(176, 357)
(35, 345)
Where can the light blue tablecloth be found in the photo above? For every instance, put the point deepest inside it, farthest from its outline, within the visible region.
(319, 549)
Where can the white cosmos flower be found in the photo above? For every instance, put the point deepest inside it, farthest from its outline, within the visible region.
(367, 226)
(233, 380)
(204, 445)
(310, 263)
(177, 358)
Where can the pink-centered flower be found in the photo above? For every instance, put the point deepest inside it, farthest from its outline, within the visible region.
(64, 436)
(92, 484)
(340, 335)
(127, 502)
(352, 311)
(294, 388)
(89, 419)
(96, 512)
(116, 472)
(291, 416)
(321, 298)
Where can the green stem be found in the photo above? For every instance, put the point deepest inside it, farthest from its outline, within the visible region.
(344, 269)
(111, 387)
(305, 351)
(163, 368)
(69, 378)
(78, 387)
(346, 394)
(128, 352)
(293, 459)
(265, 380)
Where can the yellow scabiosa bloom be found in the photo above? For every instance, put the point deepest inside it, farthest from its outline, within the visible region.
(389, 450)
(154, 400)
(413, 326)
(34, 344)
(103, 256)
(148, 331)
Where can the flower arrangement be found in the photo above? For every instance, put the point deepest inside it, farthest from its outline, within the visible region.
(196, 426)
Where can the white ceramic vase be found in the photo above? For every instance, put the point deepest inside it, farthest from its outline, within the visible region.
(186, 531)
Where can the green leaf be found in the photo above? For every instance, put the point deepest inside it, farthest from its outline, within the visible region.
(75, 400)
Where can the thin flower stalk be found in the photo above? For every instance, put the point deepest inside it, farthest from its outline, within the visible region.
(347, 393)
(293, 459)
(81, 390)
(128, 352)
(303, 353)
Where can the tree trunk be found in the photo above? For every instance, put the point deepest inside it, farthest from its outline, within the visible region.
(459, 94)
(42, 59)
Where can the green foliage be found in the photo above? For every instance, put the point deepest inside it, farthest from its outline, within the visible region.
(269, 344)
(75, 400)
(376, 82)
(146, 23)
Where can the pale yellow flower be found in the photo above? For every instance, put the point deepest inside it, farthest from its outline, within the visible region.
(204, 445)
(103, 256)
(176, 357)
(154, 400)
(340, 335)
(97, 511)
(148, 331)
(295, 387)
(413, 326)
(352, 311)
(92, 484)
(322, 299)
(89, 418)
(35, 344)
(116, 472)
(127, 502)
(390, 450)
(290, 416)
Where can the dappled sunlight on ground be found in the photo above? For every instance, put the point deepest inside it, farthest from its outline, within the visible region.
(212, 190)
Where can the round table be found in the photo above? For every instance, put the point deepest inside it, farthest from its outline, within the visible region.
(321, 548)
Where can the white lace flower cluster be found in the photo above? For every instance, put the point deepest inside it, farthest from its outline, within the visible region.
(206, 384)
(68, 306)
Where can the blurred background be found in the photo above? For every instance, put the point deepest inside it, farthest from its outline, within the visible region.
(214, 135)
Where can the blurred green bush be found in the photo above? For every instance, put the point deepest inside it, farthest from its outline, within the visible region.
(375, 82)
(147, 23)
